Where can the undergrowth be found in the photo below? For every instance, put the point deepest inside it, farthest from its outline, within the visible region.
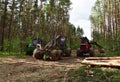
(94, 74)
(19, 54)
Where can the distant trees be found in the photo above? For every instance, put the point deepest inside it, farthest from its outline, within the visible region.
(105, 20)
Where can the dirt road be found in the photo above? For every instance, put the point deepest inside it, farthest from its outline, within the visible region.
(16, 69)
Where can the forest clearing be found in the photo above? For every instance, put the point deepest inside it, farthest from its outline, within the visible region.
(68, 69)
(39, 43)
(27, 69)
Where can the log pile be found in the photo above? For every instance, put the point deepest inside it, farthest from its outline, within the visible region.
(102, 61)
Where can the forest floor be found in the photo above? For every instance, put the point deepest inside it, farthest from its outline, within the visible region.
(27, 69)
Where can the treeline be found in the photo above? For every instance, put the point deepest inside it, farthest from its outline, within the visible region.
(105, 20)
(23, 20)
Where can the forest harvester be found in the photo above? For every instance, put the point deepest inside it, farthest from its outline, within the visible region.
(53, 50)
(31, 46)
(86, 48)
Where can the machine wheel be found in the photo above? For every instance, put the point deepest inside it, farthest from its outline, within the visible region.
(79, 53)
(68, 52)
(38, 54)
(55, 55)
(91, 53)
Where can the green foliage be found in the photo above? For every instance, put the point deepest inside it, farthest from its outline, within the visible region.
(28, 40)
(105, 30)
(29, 19)
(15, 44)
(79, 31)
(111, 46)
(14, 49)
(74, 46)
(95, 74)
(112, 53)
(46, 55)
(18, 54)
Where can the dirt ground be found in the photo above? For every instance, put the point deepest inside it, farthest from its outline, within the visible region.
(27, 69)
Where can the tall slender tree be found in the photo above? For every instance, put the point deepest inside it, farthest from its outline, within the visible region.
(108, 20)
(4, 25)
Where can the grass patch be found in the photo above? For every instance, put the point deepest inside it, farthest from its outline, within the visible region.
(96, 74)
(19, 54)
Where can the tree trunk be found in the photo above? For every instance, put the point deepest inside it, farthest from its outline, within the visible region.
(4, 24)
(10, 25)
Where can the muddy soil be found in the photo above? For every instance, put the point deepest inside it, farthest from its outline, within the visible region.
(27, 69)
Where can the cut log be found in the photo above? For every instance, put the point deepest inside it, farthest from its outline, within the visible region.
(103, 61)
(102, 58)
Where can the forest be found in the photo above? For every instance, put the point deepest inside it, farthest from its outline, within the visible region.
(105, 21)
(23, 20)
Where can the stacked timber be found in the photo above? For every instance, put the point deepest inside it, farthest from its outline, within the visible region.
(102, 61)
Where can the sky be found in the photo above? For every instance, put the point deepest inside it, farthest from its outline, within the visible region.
(79, 15)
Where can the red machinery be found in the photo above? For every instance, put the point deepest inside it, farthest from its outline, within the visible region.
(85, 47)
